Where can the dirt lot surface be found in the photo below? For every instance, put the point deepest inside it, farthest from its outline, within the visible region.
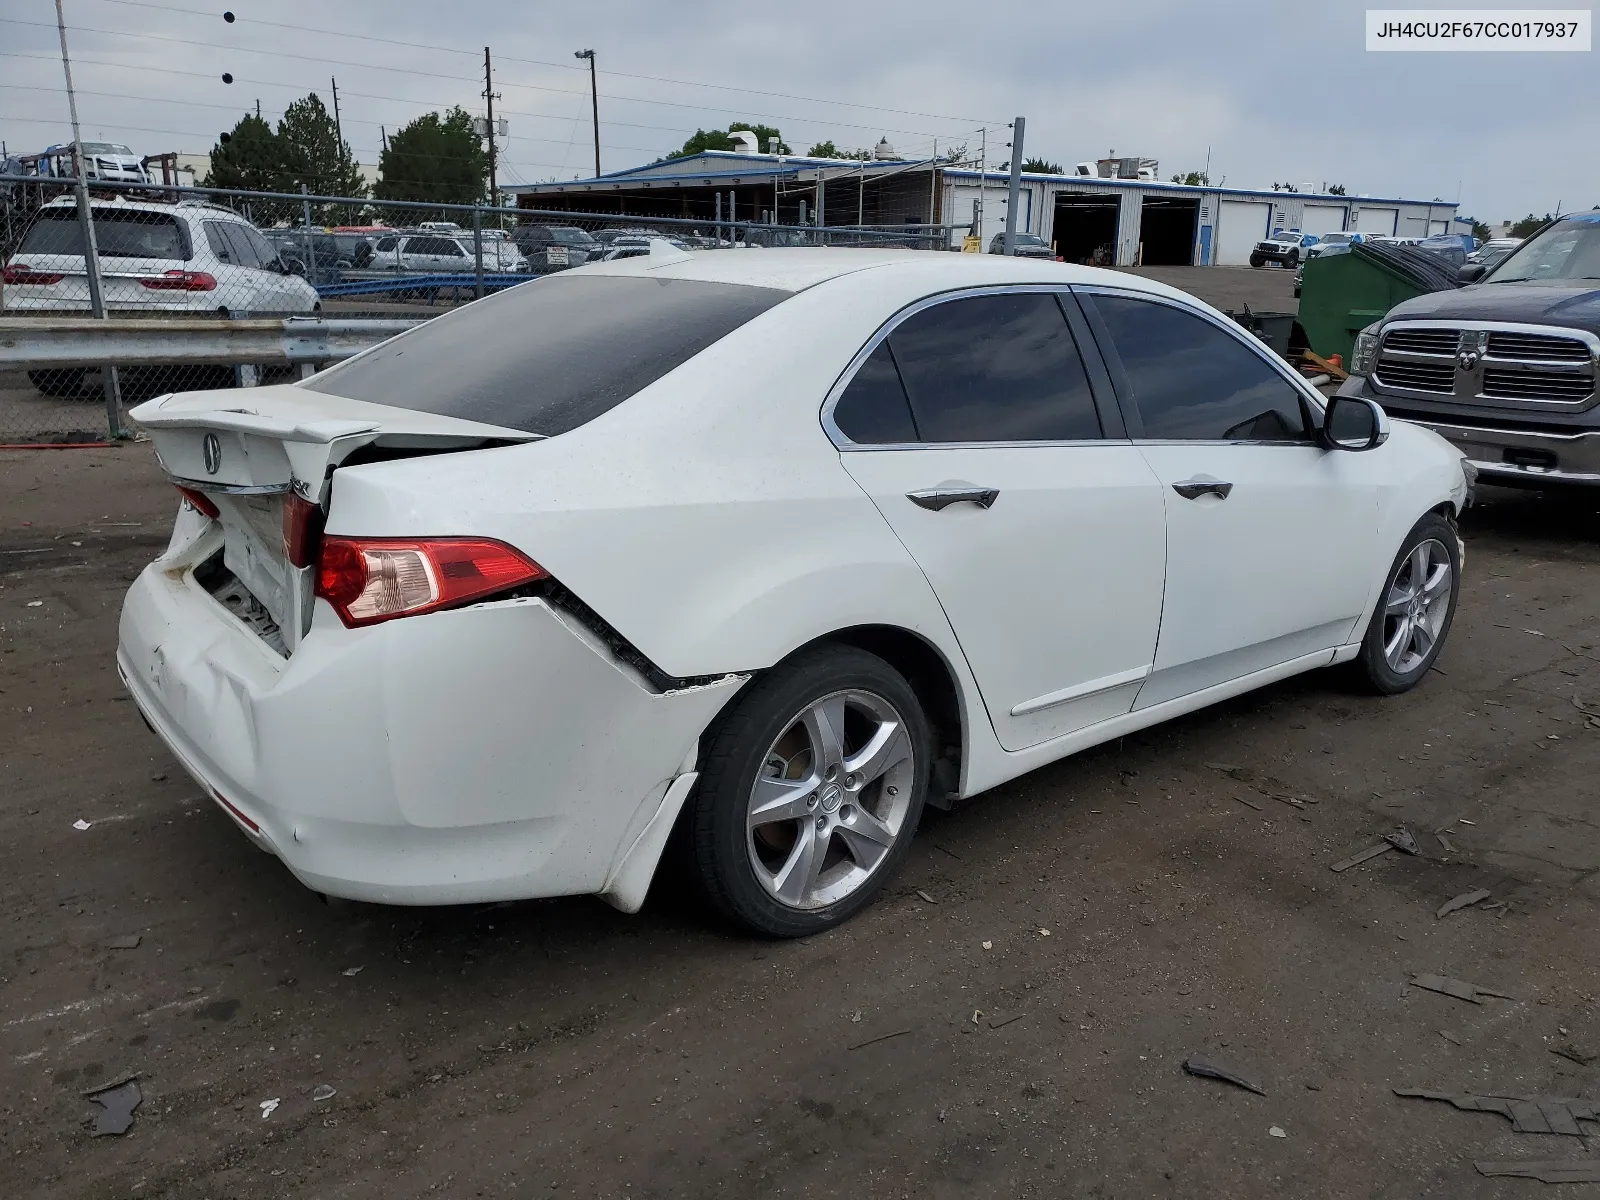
(943, 1044)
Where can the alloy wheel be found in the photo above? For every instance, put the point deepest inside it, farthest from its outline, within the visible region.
(830, 799)
(1416, 606)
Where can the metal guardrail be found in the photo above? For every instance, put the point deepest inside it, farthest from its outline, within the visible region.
(42, 343)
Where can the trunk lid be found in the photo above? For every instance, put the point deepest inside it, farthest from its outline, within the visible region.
(249, 452)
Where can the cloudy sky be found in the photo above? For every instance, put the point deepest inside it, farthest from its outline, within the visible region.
(1273, 91)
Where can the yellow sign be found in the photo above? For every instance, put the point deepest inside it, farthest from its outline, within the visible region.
(971, 244)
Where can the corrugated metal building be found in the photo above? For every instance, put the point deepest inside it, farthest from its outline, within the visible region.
(1123, 221)
(1118, 222)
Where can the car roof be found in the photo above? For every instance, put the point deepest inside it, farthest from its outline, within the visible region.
(794, 269)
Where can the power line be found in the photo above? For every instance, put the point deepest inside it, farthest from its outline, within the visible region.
(339, 62)
(365, 37)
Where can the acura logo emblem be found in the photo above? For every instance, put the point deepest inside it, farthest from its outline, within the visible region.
(211, 450)
(1467, 359)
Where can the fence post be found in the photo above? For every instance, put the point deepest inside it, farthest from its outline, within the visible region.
(477, 251)
(719, 218)
(311, 258)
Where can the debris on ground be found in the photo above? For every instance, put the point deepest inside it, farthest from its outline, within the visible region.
(1458, 988)
(1448, 848)
(1572, 1054)
(267, 1108)
(1357, 859)
(352, 972)
(117, 1100)
(80, 824)
(1402, 841)
(1001, 1022)
(128, 941)
(1546, 1170)
(988, 945)
(1206, 1069)
(1465, 900)
(322, 1092)
(1527, 1114)
(1449, 1037)
(925, 897)
(1277, 1131)
(882, 1037)
(1248, 803)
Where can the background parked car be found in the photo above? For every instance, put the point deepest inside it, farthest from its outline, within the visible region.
(188, 257)
(317, 257)
(1494, 251)
(1027, 245)
(636, 246)
(554, 247)
(1284, 248)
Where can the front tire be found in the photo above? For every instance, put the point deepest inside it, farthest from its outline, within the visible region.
(1256, 260)
(810, 792)
(1415, 609)
(1292, 261)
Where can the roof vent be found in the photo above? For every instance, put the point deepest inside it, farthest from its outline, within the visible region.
(745, 142)
(883, 151)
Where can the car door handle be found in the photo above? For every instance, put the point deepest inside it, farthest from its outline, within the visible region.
(1193, 489)
(936, 499)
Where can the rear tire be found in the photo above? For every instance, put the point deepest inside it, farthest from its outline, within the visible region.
(810, 792)
(59, 381)
(1415, 610)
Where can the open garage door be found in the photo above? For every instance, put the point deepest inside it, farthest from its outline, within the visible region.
(1323, 218)
(1167, 229)
(1241, 225)
(1085, 229)
(1377, 220)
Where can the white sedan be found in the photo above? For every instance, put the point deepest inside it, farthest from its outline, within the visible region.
(767, 549)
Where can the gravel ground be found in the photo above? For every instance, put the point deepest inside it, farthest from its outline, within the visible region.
(943, 1044)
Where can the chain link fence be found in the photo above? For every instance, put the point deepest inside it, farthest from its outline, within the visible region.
(167, 252)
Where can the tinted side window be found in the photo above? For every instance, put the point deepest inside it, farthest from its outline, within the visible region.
(1192, 381)
(873, 410)
(243, 252)
(218, 243)
(266, 252)
(450, 249)
(1001, 368)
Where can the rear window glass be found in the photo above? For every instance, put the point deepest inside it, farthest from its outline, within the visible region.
(117, 234)
(547, 356)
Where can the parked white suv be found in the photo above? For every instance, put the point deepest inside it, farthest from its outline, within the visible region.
(438, 252)
(189, 257)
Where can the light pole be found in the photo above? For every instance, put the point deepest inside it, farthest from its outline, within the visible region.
(594, 105)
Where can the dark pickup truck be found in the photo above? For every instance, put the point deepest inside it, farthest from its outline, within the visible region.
(1506, 367)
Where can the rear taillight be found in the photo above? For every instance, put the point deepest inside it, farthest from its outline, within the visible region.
(181, 281)
(368, 580)
(23, 273)
(199, 501)
(302, 526)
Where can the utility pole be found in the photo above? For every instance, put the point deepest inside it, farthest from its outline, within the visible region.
(91, 247)
(594, 105)
(1013, 192)
(258, 109)
(488, 95)
(983, 185)
(338, 128)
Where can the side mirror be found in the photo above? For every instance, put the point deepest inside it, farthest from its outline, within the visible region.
(1470, 272)
(1354, 423)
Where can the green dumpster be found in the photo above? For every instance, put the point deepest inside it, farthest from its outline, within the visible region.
(1341, 294)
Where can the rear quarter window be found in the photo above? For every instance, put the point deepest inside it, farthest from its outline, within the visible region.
(548, 356)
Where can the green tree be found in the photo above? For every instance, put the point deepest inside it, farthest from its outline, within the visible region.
(247, 158)
(437, 158)
(717, 139)
(1192, 178)
(1529, 224)
(829, 150)
(1041, 166)
(312, 153)
(1480, 229)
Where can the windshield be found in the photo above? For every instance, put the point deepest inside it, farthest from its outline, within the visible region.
(106, 148)
(1335, 238)
(547, 356)
(571, 237)
(117, 233)
(1566, 250)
